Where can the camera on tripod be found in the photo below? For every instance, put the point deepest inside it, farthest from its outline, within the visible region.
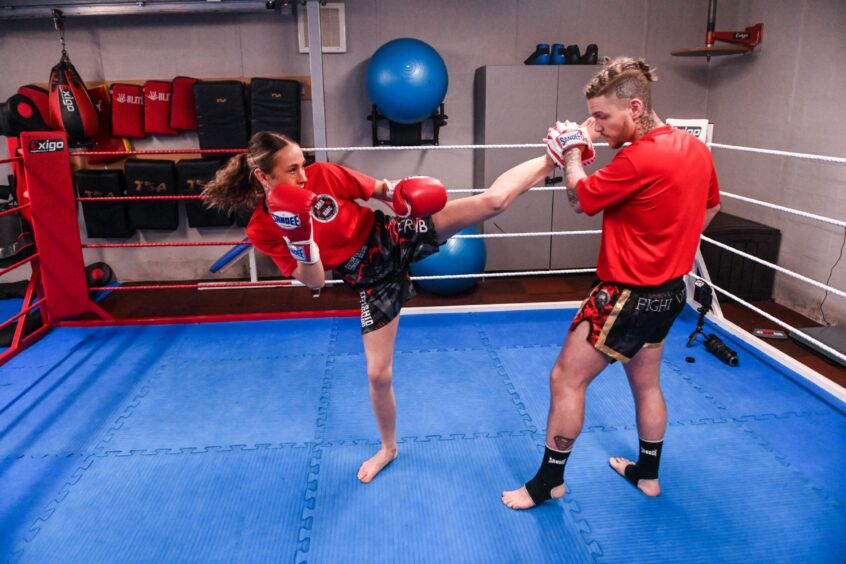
(704, 296)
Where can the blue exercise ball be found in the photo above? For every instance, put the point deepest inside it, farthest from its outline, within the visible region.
(456, 256)
(407, 80)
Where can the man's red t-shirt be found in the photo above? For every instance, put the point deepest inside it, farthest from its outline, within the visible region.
(653, 194)
(341, 226)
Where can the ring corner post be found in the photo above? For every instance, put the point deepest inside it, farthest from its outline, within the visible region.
(55, 225)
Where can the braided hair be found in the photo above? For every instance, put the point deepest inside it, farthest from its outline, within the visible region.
(627, 77)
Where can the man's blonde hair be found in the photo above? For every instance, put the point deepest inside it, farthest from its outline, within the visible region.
(627, 77)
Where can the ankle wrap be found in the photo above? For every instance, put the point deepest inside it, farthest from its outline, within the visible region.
(647, 462)
(649, 459)
(550, 474)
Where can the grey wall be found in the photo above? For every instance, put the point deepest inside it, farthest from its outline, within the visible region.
(787, 96)
(781, 97)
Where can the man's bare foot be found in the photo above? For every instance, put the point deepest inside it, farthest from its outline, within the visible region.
(650, 487)
(374, 465)
(520, 498)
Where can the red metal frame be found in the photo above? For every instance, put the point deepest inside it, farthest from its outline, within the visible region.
(58, 272)
(750, 37)
(34, 296)
(19, 341)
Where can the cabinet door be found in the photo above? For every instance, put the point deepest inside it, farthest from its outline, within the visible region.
(575, 251)
(515, 104)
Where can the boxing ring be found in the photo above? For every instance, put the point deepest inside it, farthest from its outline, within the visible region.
(125, 441)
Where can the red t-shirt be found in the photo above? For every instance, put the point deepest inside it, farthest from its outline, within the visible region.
(653, 194)
(341, 226)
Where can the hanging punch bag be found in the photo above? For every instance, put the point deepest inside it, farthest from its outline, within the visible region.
(71, 108)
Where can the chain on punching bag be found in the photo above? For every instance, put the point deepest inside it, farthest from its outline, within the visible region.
(71, 108)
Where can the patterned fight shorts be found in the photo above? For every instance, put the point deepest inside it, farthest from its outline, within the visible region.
(623, 319)
(379, 269)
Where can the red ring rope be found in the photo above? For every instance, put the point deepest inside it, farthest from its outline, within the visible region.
(22, 313)
(195, 286)
(17, 264)
(14, 210)
(135, 198)
(157, 152)
(183, 244)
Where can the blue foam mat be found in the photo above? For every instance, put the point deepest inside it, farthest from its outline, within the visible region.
(30, 485)
(235, 505)
(240, 442)
(436, 392)
(195, 404)
(77, 384)
(724, 499)
(454, 514)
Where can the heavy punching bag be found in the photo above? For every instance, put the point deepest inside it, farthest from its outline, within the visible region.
(71, 108)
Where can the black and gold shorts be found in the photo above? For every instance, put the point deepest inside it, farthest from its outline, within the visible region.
(623, 319)
(379, 269)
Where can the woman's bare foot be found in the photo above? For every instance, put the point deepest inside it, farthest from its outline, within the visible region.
(520, 498)
(650, 487)
(374, 465)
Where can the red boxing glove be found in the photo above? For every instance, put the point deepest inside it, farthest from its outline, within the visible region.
(290, 208)
(419, 196)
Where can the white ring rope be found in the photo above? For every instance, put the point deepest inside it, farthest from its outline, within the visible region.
(590, 270)
(776, 152)
(810, 281)
(800, 213)
(506, 274)
(425, 147)
(774, 319)
(297, 283)
(480, 190)
(808, 156)
(527, 234)
(820, 218)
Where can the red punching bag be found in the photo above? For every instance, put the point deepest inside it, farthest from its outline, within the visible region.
(71, 108)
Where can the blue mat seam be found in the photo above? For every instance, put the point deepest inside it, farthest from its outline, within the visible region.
(570, 503)
(506, 380)
(307, 519)
(818, 490)
(51, 507)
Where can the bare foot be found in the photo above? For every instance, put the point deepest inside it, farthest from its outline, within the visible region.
(374, 465)
(520, 498)
(650, 487)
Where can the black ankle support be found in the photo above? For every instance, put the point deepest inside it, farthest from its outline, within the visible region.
(550, 474)
(647, 462)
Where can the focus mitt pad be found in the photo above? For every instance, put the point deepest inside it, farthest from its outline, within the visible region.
(559, 142)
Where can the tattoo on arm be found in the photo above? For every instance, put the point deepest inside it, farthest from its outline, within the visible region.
(572, 197)
(563, 443)
(573, 172)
